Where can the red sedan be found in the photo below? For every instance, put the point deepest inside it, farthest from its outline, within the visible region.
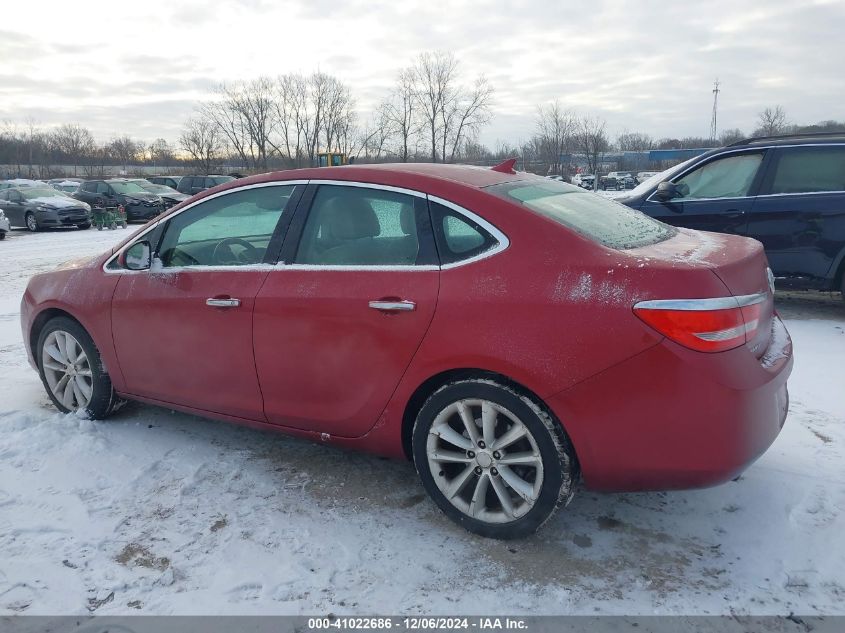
(509, 333)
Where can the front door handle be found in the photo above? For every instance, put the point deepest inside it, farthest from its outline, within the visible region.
(216, 302)
(734, 214)
(393, 306)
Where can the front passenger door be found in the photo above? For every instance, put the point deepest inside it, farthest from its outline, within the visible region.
(183, 330)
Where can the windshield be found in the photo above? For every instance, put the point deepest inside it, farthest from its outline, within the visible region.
(659, 177)
(600, 219)
(163, 189)
(126, 187)
(30, 193)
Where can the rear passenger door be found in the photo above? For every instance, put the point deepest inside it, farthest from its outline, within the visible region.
(340, 319)
(800, 213)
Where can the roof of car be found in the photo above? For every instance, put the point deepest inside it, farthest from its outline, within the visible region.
(792, 139)
(398, 174)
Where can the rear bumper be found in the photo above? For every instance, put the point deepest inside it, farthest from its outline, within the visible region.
(671, 418)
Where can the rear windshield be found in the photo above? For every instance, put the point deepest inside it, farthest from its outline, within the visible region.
(600, 219)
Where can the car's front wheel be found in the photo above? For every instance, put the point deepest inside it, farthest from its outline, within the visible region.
(31, 222)
(72, 371)
(492, 459)
(84, 226)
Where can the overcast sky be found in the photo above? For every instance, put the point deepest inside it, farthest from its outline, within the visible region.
(139, 67)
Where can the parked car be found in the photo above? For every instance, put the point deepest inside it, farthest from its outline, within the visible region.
(788, 192)
(5, 226)
(585, 181)
(168, 195)
(67, 186)
(557, 177)
(618, 180)
(138, 203)
(168, 181)
(36, 208)
(194, 184)
(642, 176)
(507, 332)
(21, 182)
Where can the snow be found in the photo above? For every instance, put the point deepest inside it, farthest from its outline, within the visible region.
(159, 512)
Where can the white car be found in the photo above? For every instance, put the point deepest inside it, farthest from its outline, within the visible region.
(583, 180)
(5, 227)
(645, 175)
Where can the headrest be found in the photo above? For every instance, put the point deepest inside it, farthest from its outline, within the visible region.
(348, 218)
(408, 220)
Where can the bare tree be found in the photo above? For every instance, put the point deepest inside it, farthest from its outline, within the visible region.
(555, 128)
(124, 150)
(202, 139)
(465, 113)
(591, 140)
(400, 113)
(161, 153)
(731, 136)
(75, 142)
(434, 75)
(771, 121)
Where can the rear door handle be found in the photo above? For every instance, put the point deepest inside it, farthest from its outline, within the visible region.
(216, 302)
(733, 214)
(393, 306)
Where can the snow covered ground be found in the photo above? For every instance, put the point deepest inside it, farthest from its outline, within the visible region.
(160, 512)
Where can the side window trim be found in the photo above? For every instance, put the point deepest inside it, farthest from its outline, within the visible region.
(150, 232)
(501, 238)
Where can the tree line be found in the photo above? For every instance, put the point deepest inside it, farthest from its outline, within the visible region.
(432, 112)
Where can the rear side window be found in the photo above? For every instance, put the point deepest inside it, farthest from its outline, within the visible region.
(602, 220)
(458, 237)
(809, 170)
(357, 226)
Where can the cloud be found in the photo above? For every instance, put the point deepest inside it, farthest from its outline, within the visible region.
(648, 67)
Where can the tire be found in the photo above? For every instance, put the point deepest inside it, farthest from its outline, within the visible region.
(31, 222)
(546, 474)
(2, 235)
(84, 226)
(101, 400)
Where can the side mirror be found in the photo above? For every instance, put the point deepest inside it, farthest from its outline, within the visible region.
(138, 256)
(666, 191)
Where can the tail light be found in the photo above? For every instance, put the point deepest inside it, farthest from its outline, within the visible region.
(705, 325)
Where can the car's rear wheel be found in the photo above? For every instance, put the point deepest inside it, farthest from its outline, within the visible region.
(31, 222)
(492, 459)
(72, 370)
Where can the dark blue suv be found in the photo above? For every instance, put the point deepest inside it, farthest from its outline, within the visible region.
(786, 191)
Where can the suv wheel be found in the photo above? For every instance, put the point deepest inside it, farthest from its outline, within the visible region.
(491, 459)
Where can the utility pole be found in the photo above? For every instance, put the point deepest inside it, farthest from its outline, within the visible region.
(715, 106)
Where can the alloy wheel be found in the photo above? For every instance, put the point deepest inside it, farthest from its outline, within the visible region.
(67, 370)
(31, 222)
(485, 460)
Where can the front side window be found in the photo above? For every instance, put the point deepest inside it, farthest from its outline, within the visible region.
(729, 177)
(357, 226)
(809, 170)
(602, 220)
(234, 229)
